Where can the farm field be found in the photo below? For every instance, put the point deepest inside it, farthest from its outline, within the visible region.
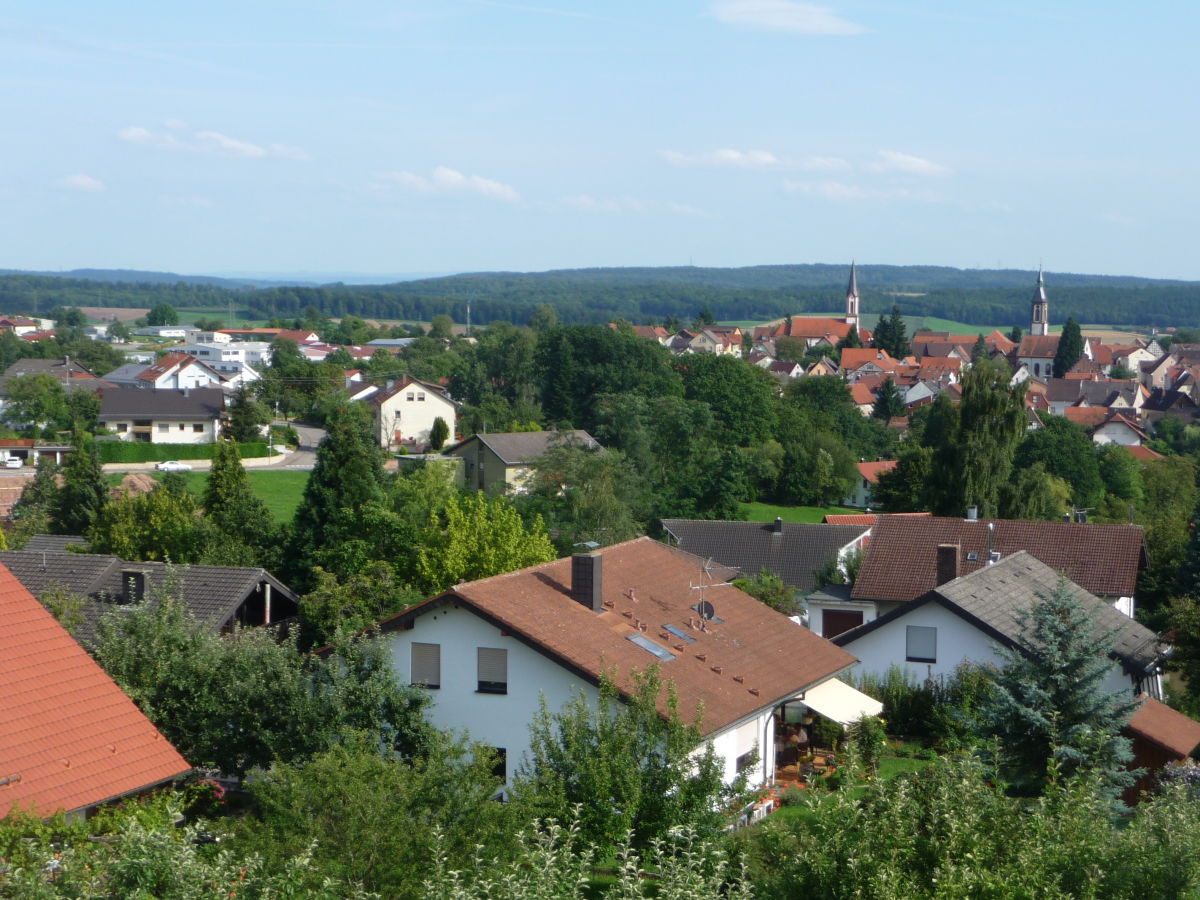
(280, 490)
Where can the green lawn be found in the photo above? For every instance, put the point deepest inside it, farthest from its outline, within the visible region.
(280, 490)
(766, 512)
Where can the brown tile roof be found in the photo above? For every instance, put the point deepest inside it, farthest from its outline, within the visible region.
(861, 393)
(862, 518)
(901, 561)
(1161, 725)
(747, 662)
(1087, 416)
(1038, 346)
(1145, 454)
(872, 470)
(70, 738)
(383, 395)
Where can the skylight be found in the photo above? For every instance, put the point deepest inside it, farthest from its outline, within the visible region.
(679, 633)
(650, 647)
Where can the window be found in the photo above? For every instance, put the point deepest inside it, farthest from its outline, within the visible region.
(122, 427)
(921, 644)
(163, 427)
(426, 665)
(421, 397)
(837, 621)
(743, 761)
(409, 397)
(199, 429)
(493, 670)
(181, 426)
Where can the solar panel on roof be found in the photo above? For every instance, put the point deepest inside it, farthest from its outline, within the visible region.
(650, 647)
(680, 633)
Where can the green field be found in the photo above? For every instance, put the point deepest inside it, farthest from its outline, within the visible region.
(766, 512)
(189, 315)
(279, 490)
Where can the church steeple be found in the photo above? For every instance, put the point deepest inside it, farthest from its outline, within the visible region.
(852, 298)
(1039, 314)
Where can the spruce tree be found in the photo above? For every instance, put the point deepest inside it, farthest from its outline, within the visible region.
(246, 417)
(230, 503)
(888, 402)
(31, 512)
(347, 475)
(852, 339)
(1070, 348)
(438, 434)
(84, 492)
(979, 351)
(1049, 699)
(1016, 334)
(891, 334)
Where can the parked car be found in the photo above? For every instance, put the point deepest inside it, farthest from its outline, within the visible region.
(13, 462)
(173, 465)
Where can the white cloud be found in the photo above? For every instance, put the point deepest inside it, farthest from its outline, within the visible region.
(210, 142)
(783, 15)
(823, 164)
(891, 161)
(446, 180)
(831, 190)
(85, 183)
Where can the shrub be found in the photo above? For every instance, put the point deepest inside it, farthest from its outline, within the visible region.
(792, 796)
(140, 452)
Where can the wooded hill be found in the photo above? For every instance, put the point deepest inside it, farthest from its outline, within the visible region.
(977, 296)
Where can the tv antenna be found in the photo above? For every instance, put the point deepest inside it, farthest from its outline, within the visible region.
(703, 606)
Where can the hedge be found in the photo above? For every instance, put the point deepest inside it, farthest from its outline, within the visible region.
(141, 451)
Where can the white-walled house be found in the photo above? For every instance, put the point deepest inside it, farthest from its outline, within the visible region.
(490, 650)
(165, 416)
(969, 619)
(405, 412)
(172, 371)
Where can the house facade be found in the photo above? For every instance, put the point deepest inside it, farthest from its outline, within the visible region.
(170, 372)
(503, 462)
(968, 620)
(163, 416)
(404, 413)
(488, 651)
(864, 486)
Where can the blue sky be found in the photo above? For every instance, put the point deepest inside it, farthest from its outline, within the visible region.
(383, 137)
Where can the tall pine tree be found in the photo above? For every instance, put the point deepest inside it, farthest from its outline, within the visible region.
(84, 492)
(1050, 700)
(347, 475)
(1070, 348)
(231, 505)
(888, 402)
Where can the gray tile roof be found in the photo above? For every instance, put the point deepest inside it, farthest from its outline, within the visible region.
(58, 368)
(994, 596)
(195, 404)
(520, 448)
(794, 553)
(56, 542)
(212, 593)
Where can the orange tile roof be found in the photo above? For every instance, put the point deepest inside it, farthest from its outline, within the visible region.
(1145, 454)
(863, 518)
(861, 393)
(854, 357)
(1087, 416)
(70, 738)
(1038, 346)
(1161, 725)
(872, 470)
(749, 661)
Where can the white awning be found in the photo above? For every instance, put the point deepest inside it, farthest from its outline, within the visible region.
(836, 700)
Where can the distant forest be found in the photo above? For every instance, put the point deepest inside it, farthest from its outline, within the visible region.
(641, 295)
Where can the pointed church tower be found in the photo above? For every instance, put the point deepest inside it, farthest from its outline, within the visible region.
(852, 298)
(1039, 314)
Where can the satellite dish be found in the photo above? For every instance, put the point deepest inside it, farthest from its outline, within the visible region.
(705, 609)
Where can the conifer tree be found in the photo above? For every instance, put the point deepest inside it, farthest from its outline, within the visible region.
(84, 492)
(1050, 700)
(852, 339)
(246, 417)
(1070, 348)
(438, 434)
(891, 334)
(888, 402)
(347, 475)
(979, 350)
(230, 503)
(31, 512)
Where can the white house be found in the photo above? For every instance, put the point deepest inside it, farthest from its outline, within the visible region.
(491, 650)
(254, 353)
(163, 417)
(172, 371)
(862, 496)
(405, 412)
(969, 619)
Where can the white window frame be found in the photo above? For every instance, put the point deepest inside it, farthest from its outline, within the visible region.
(917, 640)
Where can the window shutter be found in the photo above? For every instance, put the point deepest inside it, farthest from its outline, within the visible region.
(427, 664)
(493, 670)
(921, 643)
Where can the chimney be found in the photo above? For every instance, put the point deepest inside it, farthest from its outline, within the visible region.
(134, 583)
(947, 563)
(778, 527)
(972, 513)
(586, 580)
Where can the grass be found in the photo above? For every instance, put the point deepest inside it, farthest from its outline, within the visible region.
(889, 768)
(280, 490)
(766, 512)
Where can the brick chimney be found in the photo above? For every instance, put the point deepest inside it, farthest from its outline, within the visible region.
(587, 585)
(947, 563)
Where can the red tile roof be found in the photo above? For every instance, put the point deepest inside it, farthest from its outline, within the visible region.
(1145, 454)
(901, 560)
(70, 739)
(861, 393)
(749, 661)
(1161, 725)
(872, 470)
(862, 518)
(1087, 416)
(1038, 346)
